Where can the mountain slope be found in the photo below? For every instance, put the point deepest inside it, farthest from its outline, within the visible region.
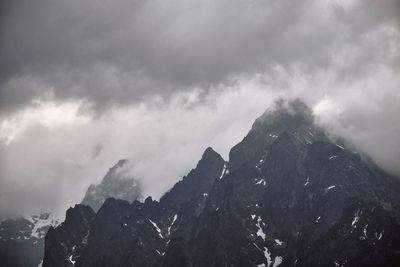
(288, 196)
(137, 234)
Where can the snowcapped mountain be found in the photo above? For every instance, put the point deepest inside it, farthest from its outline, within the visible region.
(289, 196)
(117, 183)
(41, 223)
(22, 239)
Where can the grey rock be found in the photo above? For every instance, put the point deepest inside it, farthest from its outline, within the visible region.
(117, 183)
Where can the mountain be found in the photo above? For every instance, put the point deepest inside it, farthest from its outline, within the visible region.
(289, 196)
(117, 183)
(22, 239)
(136, 232)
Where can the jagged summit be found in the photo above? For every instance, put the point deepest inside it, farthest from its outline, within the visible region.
(152, 223)
(210, 152)
(293, 118)
(198, 181)
(288, 196)
(286, 114)
(118, 183)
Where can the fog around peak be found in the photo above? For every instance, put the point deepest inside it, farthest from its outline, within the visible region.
(84, 84)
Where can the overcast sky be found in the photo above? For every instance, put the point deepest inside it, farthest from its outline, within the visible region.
(84, 83)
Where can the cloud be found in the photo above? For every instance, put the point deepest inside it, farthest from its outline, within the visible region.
(86, 83)
(50, 165)
(365, 113)
(119, 52)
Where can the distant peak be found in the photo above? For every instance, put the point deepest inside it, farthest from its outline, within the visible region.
(118, 183)
(121, 162)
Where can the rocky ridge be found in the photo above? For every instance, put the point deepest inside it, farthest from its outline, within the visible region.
(289, 196)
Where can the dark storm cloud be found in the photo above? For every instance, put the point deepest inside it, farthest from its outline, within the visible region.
(118, 52)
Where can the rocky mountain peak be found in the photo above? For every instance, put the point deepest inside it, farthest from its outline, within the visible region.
(209, 153)
(293, 118)
(285, 116)
(288, 196)
(198, 181)
(118, 183)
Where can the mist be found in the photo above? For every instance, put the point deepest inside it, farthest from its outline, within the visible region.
(84, 84)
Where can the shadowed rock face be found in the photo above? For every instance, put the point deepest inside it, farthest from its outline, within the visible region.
(293, 117)
(287, 197)
(63, 243)
(197, 183)
(117, 183)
